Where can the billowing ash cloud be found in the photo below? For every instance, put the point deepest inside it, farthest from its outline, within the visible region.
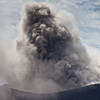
(42, 31)
(51, 58)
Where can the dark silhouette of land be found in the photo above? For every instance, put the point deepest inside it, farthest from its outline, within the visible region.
(91, 92)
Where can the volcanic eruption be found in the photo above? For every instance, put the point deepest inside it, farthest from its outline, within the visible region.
(50, 56)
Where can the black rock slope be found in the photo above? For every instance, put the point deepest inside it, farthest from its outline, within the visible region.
(91, 92)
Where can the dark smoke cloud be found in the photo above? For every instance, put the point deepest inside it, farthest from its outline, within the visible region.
(51, 58)
(42, 31)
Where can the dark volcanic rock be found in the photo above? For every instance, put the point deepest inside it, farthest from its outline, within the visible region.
(91, 92)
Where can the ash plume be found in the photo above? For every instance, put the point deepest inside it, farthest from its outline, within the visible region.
(50, 57)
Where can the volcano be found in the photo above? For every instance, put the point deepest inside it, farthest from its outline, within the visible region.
(91, 92)
(52, 63)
